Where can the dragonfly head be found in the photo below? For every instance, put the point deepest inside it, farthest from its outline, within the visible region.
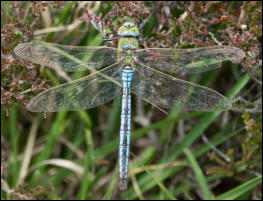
(128, 29)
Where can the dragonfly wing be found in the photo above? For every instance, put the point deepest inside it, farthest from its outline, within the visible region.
(176, 61)
(88, 92)
(165, 91)
(69, 58)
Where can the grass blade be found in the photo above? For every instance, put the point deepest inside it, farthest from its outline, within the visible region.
(199, 175)
(238, 191)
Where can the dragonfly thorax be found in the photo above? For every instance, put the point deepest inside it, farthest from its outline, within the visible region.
(127, 48)
(128, 43)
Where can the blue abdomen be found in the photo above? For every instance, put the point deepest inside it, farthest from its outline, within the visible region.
(125, 130)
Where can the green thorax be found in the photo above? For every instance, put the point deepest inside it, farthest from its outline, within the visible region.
(128, 43)
(126, 47)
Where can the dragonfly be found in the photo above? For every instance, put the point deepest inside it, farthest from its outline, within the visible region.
(148, 73)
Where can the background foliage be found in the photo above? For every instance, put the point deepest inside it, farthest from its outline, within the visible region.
(73, 155)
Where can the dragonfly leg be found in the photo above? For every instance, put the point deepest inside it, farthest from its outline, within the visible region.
(108, 39)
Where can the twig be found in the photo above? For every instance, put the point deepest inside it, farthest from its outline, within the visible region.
(204, 138)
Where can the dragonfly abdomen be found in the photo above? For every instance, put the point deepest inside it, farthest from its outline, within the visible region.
(125, 130)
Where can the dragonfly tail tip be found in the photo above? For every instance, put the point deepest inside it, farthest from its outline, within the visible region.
(123, 184)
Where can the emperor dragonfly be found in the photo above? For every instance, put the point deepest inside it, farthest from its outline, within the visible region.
(140, 71)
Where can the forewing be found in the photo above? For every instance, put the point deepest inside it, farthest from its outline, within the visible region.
(165, 91)
(69, 58)
(88, 92)
(177, 61)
